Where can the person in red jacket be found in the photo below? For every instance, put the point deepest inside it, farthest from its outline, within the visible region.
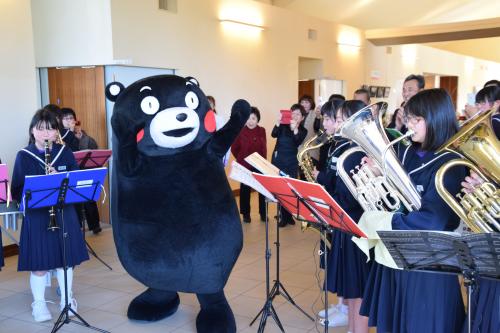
(251, 139)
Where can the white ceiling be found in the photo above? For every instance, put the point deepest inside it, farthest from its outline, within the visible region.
(380, 14)
(385, 14)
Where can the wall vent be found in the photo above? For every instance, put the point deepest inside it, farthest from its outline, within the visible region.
(312, 34)
(169, 5)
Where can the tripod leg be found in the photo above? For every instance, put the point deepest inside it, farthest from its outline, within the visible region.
(93, 253)
(276, 319)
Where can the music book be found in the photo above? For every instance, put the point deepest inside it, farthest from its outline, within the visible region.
(444, 251)
(320, 207)
(264, 166)
(92, 158)
(243, 175)
(4, 184)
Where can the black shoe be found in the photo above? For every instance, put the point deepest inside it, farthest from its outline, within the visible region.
(96, 230)
(282, 224)
(262, 218)
(247, 219)
(291, 222)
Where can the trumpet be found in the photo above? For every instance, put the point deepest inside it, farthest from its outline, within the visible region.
(52, 212)
(394, 189)
(476, 140)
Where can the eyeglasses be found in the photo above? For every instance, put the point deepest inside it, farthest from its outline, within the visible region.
(411, 119)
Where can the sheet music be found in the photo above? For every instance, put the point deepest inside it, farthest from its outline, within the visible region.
(241, 174)
(438, 249)
(261, 164)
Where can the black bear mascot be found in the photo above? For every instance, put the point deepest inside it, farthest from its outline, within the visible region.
(175, 221)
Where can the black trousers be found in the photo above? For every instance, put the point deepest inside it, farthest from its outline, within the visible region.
(91, 214)
(245, 201)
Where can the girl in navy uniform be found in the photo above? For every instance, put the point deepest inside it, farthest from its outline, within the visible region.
(337, 314)
(40, 249)
(419, 301)
(347, 265)
(485, 310)
(288, 139)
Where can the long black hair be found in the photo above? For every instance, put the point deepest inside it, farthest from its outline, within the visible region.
(43, 116)
(436, 107)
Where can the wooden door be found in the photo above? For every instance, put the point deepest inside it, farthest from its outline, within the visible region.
(82, 89)
(450, 84)
(306, 88)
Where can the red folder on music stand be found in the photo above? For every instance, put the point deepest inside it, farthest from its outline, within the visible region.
(309, 202)
(89, 159)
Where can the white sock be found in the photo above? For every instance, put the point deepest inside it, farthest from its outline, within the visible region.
(60, 281)
(37, 284)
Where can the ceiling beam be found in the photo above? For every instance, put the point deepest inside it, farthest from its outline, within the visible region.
(435, 33)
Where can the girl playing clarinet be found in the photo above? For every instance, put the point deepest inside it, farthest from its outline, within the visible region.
(40, 249)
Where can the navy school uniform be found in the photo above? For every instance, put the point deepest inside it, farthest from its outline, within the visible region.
(404, 301)
(39, 248)
(485, 305)
(347, 265)
(328, 176)
(285, 155)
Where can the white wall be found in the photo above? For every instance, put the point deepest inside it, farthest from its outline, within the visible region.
(18, 90)
(418, 59)
(72, 33)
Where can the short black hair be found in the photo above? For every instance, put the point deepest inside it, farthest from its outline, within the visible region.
(68, 111)
(336, 96)
(309, 99)
(350, 107)
(436, 107)
(492, 83)
(330, 108)
(43, 116)
(53, 108)
(487, 94)
(299, 107)
(419, 78)
(256, 112)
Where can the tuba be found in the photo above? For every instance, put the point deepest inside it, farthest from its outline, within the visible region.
(476, 140)
(393, 189)
(52, 212)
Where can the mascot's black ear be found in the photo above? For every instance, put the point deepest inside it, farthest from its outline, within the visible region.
(113, 90)
(193, 80)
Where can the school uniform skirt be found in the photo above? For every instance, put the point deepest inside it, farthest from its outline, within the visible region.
(347, 267)
(41, 249)
(378, 298)
(485, 312)
(427, 302)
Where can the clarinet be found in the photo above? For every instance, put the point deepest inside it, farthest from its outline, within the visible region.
(52, 212)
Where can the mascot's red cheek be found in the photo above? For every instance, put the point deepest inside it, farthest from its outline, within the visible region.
(140, 135)
(210, 121)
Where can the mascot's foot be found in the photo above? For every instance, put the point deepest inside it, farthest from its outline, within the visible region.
(215, 315)
(153, 305)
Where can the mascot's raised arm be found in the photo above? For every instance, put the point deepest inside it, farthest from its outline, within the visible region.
(175, 221)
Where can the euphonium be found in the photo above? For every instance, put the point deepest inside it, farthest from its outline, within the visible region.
(305, 161)
(52, 212)
(476, 140)
(306, 164)
(394, 187)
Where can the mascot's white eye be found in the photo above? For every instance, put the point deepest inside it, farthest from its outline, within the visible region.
(150, 105)
(192, 100)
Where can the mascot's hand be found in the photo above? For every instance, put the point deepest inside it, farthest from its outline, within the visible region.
(240, 111)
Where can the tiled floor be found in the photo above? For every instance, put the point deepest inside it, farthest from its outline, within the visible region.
(103, 295)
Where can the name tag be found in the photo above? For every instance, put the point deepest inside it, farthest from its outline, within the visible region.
(61, 168)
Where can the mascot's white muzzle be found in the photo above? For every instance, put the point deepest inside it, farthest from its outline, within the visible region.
(174, 127)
